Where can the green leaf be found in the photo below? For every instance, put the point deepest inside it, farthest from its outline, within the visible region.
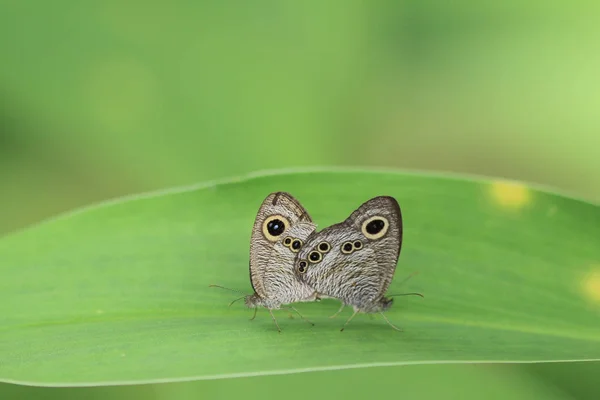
(119, 293)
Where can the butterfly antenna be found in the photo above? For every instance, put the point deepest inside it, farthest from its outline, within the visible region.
(406, 294)
(233, 290)
(408, 277)
(404, 281)
(239, 298)
(254, 316)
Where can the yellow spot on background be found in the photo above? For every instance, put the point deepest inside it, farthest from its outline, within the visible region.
(511, 194)
(591, 286)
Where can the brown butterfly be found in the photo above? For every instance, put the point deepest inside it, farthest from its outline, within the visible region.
(280, 229)
(355, 260)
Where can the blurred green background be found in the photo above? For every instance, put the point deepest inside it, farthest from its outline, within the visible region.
(106, 98)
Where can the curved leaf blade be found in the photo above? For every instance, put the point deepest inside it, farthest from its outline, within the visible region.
(119, 293)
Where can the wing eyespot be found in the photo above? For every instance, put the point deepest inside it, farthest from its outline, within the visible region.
(375, 227)
(296, 245)
(274, 226)
(315, 257)
(293, 244)
(323, 247)
(347, 248)
(302, 266)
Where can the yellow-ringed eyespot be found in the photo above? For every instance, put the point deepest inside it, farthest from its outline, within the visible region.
(347, 248)
(358, 244)
(315, 257)
(375, 227)
(324, 247)
(274, 226)
(296, 245)
(287, 241)
(302, 266)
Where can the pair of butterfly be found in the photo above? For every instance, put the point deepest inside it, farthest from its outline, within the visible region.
(353, 261)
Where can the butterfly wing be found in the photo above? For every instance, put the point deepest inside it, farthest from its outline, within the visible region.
(280, 282)
(280, 217)
(385, 242)
(355, 260)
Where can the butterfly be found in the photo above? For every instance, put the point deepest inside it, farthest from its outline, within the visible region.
(355, 260)
(281, 227)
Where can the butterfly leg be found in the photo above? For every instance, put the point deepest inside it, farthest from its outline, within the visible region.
(301, 316)
(389, 323)
(349, 319)
(274, 320)
(255, 311)
(338, 311)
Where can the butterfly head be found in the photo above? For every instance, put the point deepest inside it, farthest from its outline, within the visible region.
(252, 301)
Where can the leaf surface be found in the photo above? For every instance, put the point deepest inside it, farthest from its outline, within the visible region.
(118, 293)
